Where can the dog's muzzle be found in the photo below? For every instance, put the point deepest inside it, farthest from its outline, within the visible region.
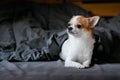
(70, 29)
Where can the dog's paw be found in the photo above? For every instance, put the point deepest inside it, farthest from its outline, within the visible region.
(74, 64)
(81, 66)
(86, 63)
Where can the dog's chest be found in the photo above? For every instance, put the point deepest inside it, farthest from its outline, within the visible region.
(77, 49)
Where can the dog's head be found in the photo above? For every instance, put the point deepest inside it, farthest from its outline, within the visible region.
(80, 24)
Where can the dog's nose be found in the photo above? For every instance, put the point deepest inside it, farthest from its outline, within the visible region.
(70, 28)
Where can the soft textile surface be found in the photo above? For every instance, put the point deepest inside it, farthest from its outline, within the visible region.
(32, 31)
(54, 70)
(109, 37)
(36, 32)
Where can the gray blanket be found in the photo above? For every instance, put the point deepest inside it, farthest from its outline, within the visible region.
(34, 32)
(55, 70)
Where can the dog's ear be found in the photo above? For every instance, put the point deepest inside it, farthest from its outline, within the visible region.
(93, 21)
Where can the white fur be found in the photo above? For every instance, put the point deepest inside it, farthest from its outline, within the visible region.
(77, 50)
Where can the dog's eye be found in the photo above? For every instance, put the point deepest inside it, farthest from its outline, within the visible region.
(68, 24)
(79, 26)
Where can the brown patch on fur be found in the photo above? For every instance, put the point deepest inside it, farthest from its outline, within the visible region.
(85, 24)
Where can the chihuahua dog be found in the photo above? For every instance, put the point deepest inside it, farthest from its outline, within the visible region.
(77, 50)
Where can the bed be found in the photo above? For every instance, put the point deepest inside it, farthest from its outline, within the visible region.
(31, 36)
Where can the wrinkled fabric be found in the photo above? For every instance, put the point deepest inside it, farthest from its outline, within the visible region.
(109, 33)
(34, 32)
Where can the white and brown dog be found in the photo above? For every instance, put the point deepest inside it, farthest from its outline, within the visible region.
(77, 50)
